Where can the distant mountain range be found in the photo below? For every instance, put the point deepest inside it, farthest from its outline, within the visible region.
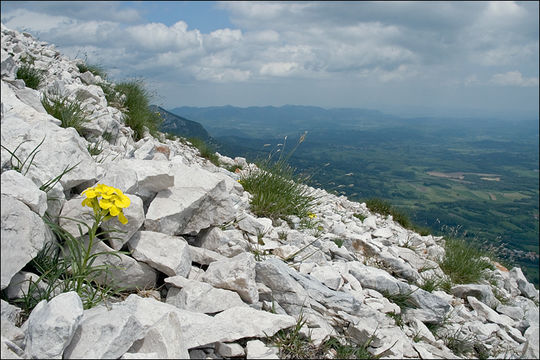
(181, 126)
(271, 121)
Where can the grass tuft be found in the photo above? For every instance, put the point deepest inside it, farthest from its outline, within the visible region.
(31, 76)
(70, 113)
(463, 262)
(277, 190)
(403, 300)
(137, 102)
(346, 349)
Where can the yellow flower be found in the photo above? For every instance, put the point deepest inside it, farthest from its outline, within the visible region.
(312, 215)
(112, 201)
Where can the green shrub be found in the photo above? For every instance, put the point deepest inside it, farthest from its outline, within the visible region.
(464, 263)
(32, 77)
(68, 112)
(138, 114)
(206, 150)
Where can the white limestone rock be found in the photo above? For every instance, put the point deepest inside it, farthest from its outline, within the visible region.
(73, 209)
(52, 324)
(253, 225)
(164, 338)
(148, 355)
(531, 349)
(514, 312)
(370, 222)
(374, 278)
(199, 296)
(152, 176)
(115, 331)
(383, 233)
(19, 285)
(200, 329)
(328, 276)
(204, 256)
(256, 349)
(398, 267)
(119, 175)
(488, 313)
(422, 331)
(23, 235)
(135, 216)
(10, 350)
(9, 313)
(195, 176)
(212, 239)
(481, 292)
(294, 291)
(229, 350)
(168, 254)
(22, 122)
(527, 289)
(237, 274)
(125, 272)
(179, 211)
(23, 189)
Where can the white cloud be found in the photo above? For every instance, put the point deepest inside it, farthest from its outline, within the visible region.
(33, 21)
(514, 78)
(278, 68)
(159, 37)
(221, 75)
(313, 43)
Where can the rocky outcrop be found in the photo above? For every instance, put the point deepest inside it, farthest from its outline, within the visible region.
(196, 273)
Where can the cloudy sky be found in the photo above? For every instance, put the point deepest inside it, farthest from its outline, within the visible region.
(478, 58)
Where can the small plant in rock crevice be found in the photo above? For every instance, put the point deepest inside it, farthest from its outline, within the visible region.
(346, 348)
(464, 263)
(67, 264)
(20, 164)
(292, 343)
(69, 112)
(277, 191)
(31, 76)
(138, 115)
(403, 300)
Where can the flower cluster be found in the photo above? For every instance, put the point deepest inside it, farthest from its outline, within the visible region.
(107, 201)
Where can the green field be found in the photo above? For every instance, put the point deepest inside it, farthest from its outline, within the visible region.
(493, 200)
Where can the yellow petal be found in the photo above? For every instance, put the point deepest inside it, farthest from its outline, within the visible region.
(89, 193)
(122, 218)
(114, 210)
(105, 204)
(87, 202)
(122, 201)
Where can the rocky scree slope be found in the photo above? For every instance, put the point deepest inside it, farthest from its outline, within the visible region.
(205, 277)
